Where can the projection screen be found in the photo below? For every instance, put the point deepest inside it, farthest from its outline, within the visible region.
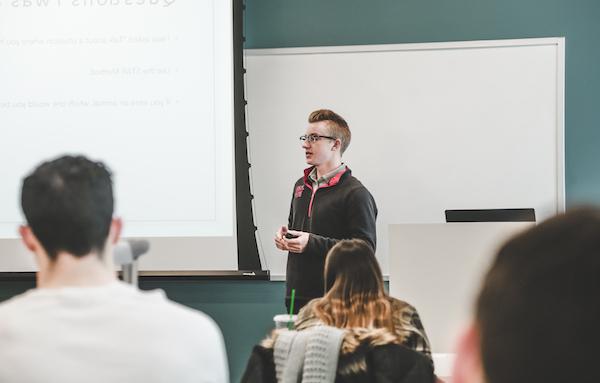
(145, 86)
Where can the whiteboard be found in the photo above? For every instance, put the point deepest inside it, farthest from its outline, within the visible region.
(435, 126)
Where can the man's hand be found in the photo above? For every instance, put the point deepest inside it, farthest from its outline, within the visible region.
(297, 244)
(280, 241)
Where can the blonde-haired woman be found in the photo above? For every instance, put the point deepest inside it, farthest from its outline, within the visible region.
(355, 298)
(356, 333)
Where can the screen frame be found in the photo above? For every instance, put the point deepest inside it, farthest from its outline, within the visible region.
(248, 255)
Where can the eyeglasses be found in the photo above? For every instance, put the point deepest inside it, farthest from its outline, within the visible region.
(314, 138)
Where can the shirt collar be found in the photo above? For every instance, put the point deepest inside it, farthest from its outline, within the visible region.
(325, 178)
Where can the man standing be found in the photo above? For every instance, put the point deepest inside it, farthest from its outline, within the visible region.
(538, 313)
(81, 324)
(328, 204)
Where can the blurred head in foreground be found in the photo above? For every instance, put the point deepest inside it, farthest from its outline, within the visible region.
(68, 204)
(537, 317)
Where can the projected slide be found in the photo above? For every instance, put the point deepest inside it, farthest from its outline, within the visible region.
(143, 85)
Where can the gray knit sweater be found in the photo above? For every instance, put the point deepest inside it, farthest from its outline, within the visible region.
(308, 356)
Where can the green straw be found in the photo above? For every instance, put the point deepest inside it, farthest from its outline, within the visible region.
(290, 323)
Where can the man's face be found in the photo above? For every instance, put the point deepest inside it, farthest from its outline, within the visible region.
(320, 151)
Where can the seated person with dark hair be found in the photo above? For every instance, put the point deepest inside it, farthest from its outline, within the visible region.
(355, 297)
(355, 333)
(81, 324)
(538, 313)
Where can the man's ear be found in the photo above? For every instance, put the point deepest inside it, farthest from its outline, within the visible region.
(116, 226)
(29, 240)
(337, 144)
(32, 244)
(467, 365)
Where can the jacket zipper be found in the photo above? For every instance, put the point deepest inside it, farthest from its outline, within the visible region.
(310, 204)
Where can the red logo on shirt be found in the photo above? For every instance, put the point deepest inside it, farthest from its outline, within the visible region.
(299, 190)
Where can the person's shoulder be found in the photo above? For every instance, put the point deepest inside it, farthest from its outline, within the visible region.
(24, 310)
(196, 338)
(349, 180)
(401, 308)
(376, 352)
(397, 362)
(399, 303)
(306, 316)
(17, 303)
(310, 305)
(356, 191)
(158, 311)
(178, 323)
(158, 301)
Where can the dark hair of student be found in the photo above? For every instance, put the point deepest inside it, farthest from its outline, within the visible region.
(68, 203)
(539, 309)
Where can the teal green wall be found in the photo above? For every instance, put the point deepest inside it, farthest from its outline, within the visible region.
(291, 23)
(244, 309)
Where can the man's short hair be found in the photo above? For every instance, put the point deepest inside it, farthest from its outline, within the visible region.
(338, 127)
(68, 203)
(538, 313)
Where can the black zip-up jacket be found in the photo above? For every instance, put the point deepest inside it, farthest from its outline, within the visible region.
(341, 209)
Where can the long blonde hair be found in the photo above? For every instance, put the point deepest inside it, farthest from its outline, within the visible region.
(354, 294)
